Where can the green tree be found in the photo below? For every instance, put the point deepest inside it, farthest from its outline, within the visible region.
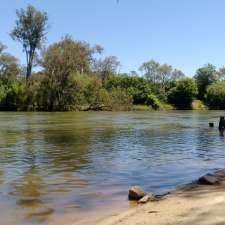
(160, 73)
(164, 74)
(30, 31)
(205, 76)
(221, 73)
(137, 87)
(215, 95)
(68, 56)
(9, 67)
(150, 70)
(183, 93)
(62, 61)
(106, 67)
(177, 75)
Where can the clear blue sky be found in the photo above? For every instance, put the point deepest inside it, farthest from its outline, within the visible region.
(184, 33)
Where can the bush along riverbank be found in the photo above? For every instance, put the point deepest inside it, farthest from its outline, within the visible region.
(200, 202)
(72, 75)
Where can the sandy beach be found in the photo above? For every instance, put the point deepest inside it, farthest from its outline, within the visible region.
(203, 205)
(193, 204)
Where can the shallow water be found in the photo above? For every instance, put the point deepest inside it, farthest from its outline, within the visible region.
(55, 164)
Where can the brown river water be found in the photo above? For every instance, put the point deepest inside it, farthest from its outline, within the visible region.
(57, 168)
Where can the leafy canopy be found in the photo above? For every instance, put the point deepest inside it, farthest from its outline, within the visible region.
(30, 31)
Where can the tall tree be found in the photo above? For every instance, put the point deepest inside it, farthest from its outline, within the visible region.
(9, 67)
(160, 73)
(30, 31)
(164, 74)
(67, 56)
(150, 70)
(221, 73)
(205, 76)
(177, 75)
(62, 62)
(106, 67)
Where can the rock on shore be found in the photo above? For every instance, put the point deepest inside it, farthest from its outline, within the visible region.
(136, 193)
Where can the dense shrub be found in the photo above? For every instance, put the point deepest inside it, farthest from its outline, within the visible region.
(11, 95)
(153, 101)
(89, 93)
(205, 76)
(215, 95)
(120, 100)
(182, 95)
(137, 87)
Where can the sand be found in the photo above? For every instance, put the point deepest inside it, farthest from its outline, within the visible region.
(193, 204)
(202, 205)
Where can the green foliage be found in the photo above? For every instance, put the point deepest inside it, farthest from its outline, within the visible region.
(153, 101)
(198, 105)
(62, 61)
(205, 76)
(3, 93)
(30, 31)
(9, 67)
(67, 56)
(183, 93)
(141, 108)
(10, 95)
(31, 99)
(137, 87)
(74, 78)
(106, 67)
(160, 73)
(120, 100)
(95, 95)
(215, 95)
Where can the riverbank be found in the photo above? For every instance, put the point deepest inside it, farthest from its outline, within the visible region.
(192, 204)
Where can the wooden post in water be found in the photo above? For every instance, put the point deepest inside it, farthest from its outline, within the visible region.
(211, 124)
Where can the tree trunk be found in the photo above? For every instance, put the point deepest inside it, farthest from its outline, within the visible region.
(29, 69)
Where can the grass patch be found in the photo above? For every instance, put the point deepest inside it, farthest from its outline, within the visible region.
(163, 107)
(198, 105)
(141, 108)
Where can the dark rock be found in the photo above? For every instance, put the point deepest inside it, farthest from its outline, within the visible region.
(148, 197)
(136, 193)
(208, 179)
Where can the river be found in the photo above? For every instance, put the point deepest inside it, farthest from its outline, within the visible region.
(60, 165)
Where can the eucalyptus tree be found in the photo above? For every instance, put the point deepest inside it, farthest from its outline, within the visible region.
(106, 67)
(177, 75)
(9, 67)
(62, 62)
(150, 70)
(221, 74)
(30, 31)
(205, 76)
(164, 74)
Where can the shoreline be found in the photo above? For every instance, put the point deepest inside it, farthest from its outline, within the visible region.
(194, 203)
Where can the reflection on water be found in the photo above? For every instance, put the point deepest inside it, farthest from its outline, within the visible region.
(54, 163)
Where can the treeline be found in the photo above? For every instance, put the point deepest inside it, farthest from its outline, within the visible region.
(72, 75)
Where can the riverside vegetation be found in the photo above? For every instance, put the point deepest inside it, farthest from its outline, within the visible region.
(72, 75)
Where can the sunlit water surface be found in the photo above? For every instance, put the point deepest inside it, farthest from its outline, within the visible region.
(57, 164)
